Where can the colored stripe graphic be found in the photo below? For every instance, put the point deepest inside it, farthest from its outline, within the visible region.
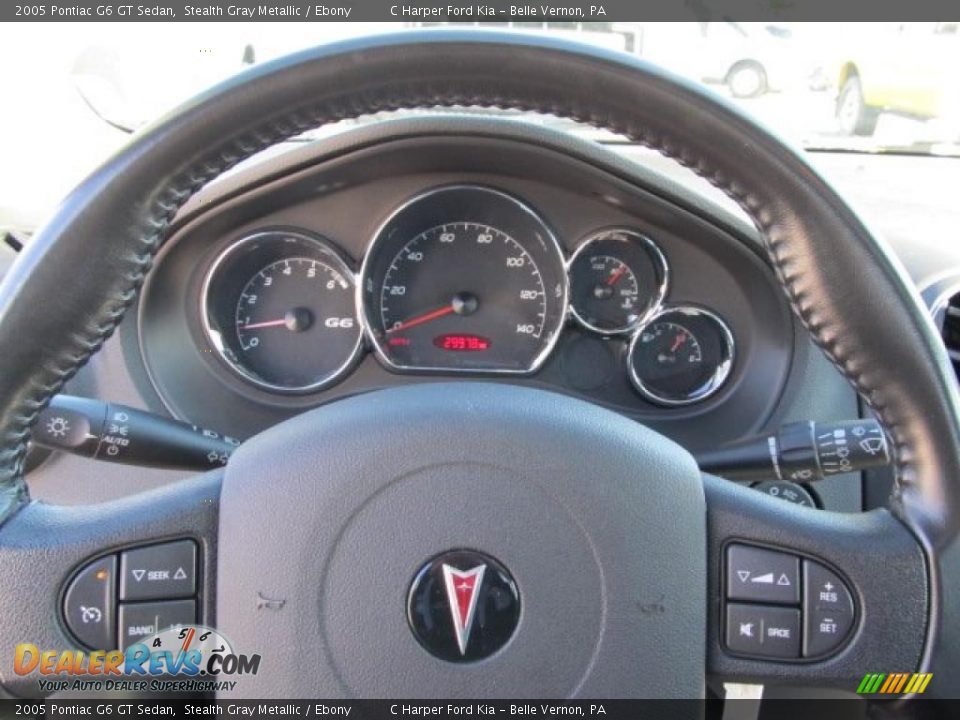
(894, 683)
(900, 682)
(891, 680)
(875, 685)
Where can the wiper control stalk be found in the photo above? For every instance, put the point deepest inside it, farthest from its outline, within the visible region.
(802, 452)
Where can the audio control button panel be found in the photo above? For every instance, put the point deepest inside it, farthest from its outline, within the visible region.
(781, 605)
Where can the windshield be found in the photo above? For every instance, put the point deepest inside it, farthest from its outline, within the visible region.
(82, 88)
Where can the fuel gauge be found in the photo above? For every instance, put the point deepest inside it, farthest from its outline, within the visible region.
(682, 355)
(617, 278)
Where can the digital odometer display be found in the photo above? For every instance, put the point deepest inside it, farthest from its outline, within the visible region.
(464, 278)
(461, 343)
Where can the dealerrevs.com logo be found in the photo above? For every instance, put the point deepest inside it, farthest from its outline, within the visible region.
(184, 658)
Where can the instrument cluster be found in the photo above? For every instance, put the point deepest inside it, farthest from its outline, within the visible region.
(458, 279)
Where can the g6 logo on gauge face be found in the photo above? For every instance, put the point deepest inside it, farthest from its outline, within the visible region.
(464, 278)
(339, 322)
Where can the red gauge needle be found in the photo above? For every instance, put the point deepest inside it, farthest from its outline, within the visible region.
(296, 319)
(616, 275)
(269, 323)
(677, 342)
(421, 319)
(186, 643)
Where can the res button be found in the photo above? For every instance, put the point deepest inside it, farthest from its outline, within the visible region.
(827, 610)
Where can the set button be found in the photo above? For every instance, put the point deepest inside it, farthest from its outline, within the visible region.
(828, 610)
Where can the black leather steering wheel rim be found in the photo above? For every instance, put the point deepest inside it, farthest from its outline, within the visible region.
(69, 290)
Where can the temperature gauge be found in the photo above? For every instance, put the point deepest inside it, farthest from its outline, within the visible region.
(617, 278)
(680, 356)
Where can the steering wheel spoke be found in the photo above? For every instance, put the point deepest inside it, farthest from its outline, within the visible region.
(800, 596)
(67, 578)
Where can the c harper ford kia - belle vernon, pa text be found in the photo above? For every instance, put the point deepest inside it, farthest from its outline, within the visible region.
(551, 363)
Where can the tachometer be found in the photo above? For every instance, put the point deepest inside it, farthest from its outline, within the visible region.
(464, 278)
(280, 310)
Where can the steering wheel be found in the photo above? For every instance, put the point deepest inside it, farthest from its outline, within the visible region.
(608, 540)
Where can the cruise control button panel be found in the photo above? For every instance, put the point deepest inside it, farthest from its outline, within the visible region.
(784, 606)
(828, 610)
(116, 599)
(88, 604)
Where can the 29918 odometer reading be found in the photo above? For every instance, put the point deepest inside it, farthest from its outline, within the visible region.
(481, 290)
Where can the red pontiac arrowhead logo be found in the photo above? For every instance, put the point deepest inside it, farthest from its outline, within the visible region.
(463, 606)
(462, 587)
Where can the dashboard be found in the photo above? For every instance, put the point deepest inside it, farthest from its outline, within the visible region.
(405, 253)
(647, 293)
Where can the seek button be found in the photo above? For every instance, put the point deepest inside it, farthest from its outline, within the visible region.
(157, 572)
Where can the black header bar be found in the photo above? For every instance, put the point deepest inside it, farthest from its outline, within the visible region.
(492, 11)
(178, 709)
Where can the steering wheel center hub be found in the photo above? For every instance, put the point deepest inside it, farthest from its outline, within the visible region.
(435, 539)
(463, 606)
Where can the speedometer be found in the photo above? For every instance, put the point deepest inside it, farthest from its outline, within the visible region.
(464, 278)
